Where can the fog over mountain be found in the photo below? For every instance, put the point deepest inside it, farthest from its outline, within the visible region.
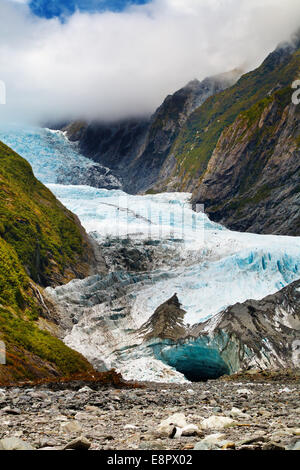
(109, 65)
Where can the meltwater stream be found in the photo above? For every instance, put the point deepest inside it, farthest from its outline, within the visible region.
(209, 267)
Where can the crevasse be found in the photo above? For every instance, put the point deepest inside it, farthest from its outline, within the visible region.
(210, 269)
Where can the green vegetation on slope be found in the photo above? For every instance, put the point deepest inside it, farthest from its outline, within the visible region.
(47, 238)
(198, 139)
(33, 353)
(39, 241)
(254, 172)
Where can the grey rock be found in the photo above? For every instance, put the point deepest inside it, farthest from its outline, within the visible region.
(94, 175)
(71, 427)
(151, 445)
(205, 445)
(272, 446)
(81, 443)
(248, 324)
(295, 445)
(11, 411)
(251, 440)
(13, 443)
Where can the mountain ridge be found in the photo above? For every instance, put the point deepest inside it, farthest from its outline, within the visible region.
(41, 244)
(135, 149)
(210, 134)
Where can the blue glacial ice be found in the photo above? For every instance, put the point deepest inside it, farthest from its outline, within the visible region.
(194, 359)
(212, 267)
(47, 151)
(217, 267)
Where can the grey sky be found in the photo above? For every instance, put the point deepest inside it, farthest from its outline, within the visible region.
(113, 65)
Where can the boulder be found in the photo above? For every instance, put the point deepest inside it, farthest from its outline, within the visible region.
(130, 427)
(71, 427)
(168, 426)
(203, 445)
(190, 430)
(237, 413)
(81, 443)
(85, 389)
(13, 443)
(217, 422)
(11, 411)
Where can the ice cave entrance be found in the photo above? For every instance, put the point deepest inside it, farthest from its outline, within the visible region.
(196, 361)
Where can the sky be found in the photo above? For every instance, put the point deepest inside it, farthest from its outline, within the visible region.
(64, 8)
(109, 60)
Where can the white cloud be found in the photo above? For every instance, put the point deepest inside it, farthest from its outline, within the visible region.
(113, 65)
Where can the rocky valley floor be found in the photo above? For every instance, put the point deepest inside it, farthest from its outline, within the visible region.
(223, 414)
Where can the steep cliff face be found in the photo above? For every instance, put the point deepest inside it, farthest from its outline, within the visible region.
(113, 145)
(239, 152)
(137, 149)
(166, 322)
(41, 244)
(264, 334)
(252, 179)
(255, 334)
(199, 137)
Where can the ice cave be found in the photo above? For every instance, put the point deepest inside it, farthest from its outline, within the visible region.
(196, 360)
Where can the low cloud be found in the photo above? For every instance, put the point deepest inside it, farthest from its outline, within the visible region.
(114, 65)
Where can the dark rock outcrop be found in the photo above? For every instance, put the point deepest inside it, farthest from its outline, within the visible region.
(261, 334)
(95, 175)
(166, 322)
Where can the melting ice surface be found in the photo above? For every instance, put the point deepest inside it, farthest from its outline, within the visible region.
(215, 268)
(46, 150)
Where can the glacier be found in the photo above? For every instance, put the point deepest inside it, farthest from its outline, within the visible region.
(214, 267)
(54, 158)
(208, 266)
(46, 150)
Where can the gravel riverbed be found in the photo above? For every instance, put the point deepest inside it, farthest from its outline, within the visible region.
(242, 416)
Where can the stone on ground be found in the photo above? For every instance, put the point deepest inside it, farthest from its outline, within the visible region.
(13, 443)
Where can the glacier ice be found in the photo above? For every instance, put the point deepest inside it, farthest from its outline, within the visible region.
(54, 158)
(208, 266)
(194, 359)
(47, 151)
(217, 267)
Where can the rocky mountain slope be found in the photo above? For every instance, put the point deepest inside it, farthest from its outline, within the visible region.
(41, 244)
(255, 334)
(259, 334)
(166, 322)
(236, 148)
(136, 149)
(252, 179)
(239, 152)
